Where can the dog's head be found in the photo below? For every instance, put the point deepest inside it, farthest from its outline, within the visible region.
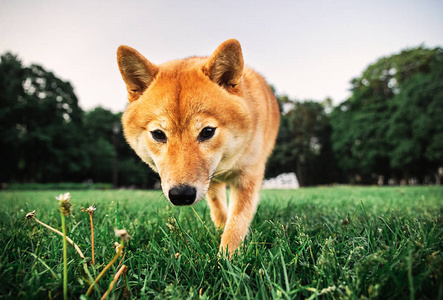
(186, 118)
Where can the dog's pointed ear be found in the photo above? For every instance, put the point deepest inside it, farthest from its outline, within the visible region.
(137, 72)
(225, 66)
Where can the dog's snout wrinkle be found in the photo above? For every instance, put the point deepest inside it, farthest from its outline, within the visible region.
(182, 195)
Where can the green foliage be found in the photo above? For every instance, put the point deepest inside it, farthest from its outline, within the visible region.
(303, 144)
(415, 129)
(40, 124)
(389, 124)
(311, 243)
(98, 130)
(46, 137)
(104, 147)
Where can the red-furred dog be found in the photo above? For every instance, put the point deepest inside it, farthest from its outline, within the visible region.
(202, 123)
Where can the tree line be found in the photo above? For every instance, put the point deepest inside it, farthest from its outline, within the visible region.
(47, 137)
(390, 128)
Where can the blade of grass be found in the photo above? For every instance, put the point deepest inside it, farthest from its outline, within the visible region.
(47, 267)
(410, 278)
(91, 287)
(371, 241)
(203, 223)
(285, 273)
(111, 285)
(92, 239)
(65, 259)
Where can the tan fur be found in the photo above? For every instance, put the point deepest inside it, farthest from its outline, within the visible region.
(181, 98)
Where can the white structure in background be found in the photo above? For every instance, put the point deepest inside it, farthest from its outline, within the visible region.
(282, 181)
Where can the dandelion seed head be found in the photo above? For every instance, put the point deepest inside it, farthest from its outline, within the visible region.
(30, 215)
(123, 234)
(64, 197)
(64, 205)
(90, 210)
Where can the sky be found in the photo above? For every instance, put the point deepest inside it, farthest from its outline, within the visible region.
(308, 50)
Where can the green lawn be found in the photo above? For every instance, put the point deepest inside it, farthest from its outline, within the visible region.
(318, 243)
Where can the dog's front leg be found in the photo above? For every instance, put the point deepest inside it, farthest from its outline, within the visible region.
(243, 202)
(216, 198)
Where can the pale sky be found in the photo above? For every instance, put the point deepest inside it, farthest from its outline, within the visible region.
(306, 49)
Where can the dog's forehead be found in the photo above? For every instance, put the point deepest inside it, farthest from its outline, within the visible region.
(183, 91)
(178, 110)
(182, 95)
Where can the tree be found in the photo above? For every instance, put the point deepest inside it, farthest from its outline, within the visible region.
(106, 148)
(12, 74)
(46, 136)
(98, 131)
(415, 132)
(303, 144)
(371, 130)
(41, 134)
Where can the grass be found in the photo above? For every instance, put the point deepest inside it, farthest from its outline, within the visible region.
(319, 243)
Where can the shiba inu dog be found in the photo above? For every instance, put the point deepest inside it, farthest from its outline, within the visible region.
(202, 123)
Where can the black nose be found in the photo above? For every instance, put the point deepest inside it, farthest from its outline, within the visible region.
(182, 195)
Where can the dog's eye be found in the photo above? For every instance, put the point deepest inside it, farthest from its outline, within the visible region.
(159, 136)
(206, 134)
